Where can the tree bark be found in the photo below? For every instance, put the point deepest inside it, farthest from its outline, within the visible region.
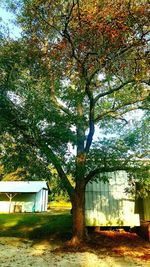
(78, 216)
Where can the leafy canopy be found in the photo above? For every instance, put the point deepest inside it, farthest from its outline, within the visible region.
(77, 65)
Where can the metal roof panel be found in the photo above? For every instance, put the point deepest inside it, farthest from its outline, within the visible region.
(22, 186)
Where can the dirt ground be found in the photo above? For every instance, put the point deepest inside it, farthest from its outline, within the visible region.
(107, 249)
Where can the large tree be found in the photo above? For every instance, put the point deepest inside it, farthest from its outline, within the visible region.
(79, 64)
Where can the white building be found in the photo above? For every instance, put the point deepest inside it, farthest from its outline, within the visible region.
(20, 196)
(108, 204)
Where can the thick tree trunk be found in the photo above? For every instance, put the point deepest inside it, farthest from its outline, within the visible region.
(78, 217)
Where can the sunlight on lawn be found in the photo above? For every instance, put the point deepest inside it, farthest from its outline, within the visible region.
(10, 224)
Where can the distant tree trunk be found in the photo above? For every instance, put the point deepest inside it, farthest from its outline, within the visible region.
(78, 216)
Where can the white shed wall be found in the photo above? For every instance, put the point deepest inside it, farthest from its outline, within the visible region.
(26, 201)
(29, 202)
(41, 200)
(107, 204)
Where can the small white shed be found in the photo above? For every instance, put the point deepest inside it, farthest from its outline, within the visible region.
(108, 204)
(20, 196)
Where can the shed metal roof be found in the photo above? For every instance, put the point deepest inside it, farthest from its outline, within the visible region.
(22, 187)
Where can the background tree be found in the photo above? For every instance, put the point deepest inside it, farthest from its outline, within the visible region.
(79, 64)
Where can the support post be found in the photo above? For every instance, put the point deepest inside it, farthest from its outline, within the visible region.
(10, 196)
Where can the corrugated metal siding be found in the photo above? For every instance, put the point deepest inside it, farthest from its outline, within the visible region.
(107, 204)
(146, 208)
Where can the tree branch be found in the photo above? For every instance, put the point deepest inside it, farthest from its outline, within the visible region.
(45, 21)
(91, 120)
(112, 90)
(113, 112)
(67, 35)
(79, 16)
(55, 161)
(69, 16)
(93, 173)
(35, 140)
(60, 105)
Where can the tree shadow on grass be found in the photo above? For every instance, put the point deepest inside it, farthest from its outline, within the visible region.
(35, 226)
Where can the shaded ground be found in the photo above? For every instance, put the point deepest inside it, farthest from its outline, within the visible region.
(122, 244)
(107, 249)
(37, 240)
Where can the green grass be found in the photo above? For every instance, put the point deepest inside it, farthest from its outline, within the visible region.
(29, 225)
(59, 204)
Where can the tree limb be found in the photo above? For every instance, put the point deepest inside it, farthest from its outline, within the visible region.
(114, 111)
(55, 161)
(91, 120)
(112, 90)
(112, 169)
(60, 105)
(35, 140)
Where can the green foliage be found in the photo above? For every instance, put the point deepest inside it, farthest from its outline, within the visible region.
(139, 182)
(20, 161)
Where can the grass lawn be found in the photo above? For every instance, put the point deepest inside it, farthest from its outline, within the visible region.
(59, 204)
(37, 225)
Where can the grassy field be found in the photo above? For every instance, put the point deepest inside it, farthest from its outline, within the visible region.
(29, 225)
(59, 204)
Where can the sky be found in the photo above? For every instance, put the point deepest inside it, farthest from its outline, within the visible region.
(7, 20)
